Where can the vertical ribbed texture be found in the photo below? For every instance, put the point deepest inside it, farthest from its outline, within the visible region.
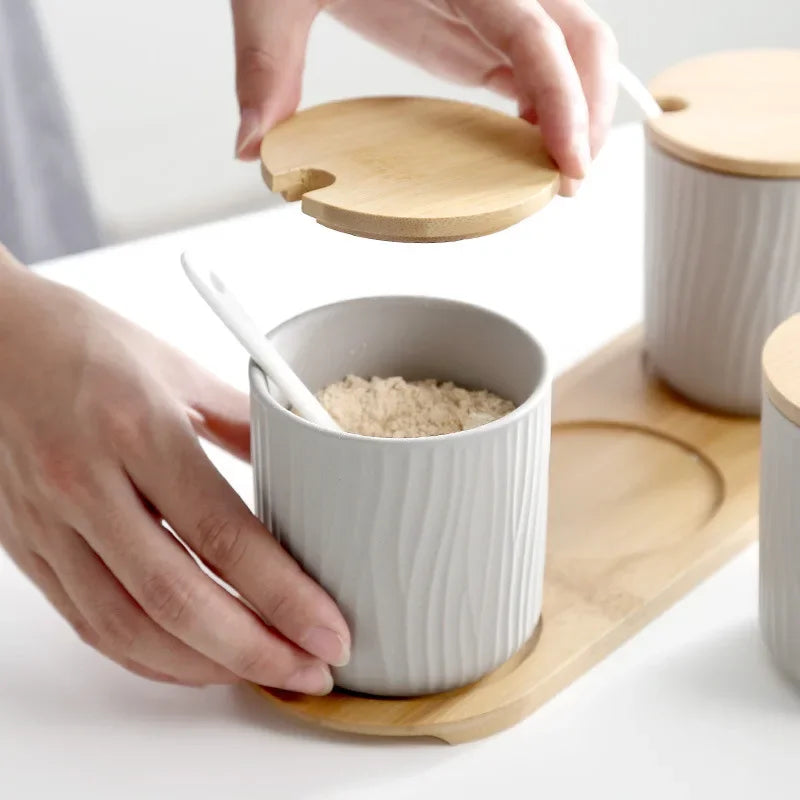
(434, 549)
(779, 543)
(722, 271)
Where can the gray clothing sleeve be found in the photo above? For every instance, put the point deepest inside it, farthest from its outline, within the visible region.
(45, 209)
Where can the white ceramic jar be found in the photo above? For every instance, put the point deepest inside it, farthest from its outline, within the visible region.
(722, 236)
(780, 498)
(434, 547)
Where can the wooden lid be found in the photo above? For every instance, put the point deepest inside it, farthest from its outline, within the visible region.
(736, 112)
(781, 362)
(410, 168)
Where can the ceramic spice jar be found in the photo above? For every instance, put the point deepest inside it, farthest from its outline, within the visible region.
(780, 498)
(433, 547)
(722, 221)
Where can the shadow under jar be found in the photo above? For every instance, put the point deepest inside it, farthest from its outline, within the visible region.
(433, 547)
(722, 260)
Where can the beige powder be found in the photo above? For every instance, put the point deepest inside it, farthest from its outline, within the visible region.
(395, 408)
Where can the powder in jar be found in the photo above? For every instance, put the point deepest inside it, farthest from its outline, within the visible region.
(395, 408)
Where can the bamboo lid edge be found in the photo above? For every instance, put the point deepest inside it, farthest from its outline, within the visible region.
(736, 112)
(781, 368)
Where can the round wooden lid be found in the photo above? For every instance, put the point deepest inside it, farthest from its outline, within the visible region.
(781, 362)
(410, 168)
(735, 112)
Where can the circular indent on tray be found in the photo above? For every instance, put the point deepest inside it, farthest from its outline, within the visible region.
(639, 490)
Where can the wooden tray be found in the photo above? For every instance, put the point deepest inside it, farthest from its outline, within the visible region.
(648, 496)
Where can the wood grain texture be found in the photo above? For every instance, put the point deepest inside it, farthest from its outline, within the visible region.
(648, 497)
(781, 362)
(736, 112)
(410, 168)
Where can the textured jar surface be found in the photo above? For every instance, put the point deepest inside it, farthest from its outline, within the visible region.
(779, 542)
(433, 548)
(722, 270)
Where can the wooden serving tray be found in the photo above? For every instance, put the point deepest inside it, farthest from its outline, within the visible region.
(648, 496)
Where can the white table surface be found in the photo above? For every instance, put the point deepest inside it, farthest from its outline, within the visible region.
(688, 708)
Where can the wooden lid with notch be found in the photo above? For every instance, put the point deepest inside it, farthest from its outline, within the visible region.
(735, 112)
(410, 168)
(781, 362)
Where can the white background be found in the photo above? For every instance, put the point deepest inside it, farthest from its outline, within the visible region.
(150, 85)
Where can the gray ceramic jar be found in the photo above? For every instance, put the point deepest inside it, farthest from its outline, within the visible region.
(434, 547)
(722, 236)
(779, 512)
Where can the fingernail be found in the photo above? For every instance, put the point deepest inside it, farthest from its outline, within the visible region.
(195, 416)
(249, 130)
(310, 680)
(569, 187)
(327, 645)
(580, 145)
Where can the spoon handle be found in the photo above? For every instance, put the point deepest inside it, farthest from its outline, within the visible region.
(242, 326)
(638, 92)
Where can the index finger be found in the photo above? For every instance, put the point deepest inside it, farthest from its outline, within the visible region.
(214, 521)
(545, 75)
(594, 52)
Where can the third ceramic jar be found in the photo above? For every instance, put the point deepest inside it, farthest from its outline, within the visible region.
(779, 514)
(723, 221)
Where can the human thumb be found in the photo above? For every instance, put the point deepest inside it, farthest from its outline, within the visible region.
(270, 38)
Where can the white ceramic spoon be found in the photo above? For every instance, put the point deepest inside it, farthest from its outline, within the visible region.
(638, 92)
(230, 311)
